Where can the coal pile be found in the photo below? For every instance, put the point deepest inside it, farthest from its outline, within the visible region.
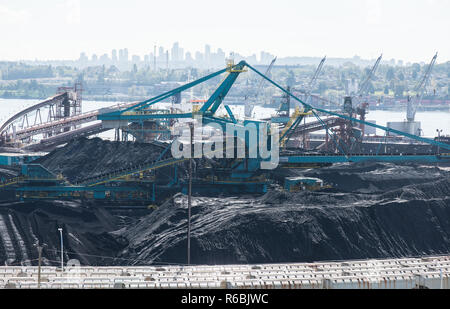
(410, 219)
(373, 210)
(378, 177)
(87, 233)
(85, 158)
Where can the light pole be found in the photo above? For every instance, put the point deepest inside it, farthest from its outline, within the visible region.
(439, 138)
(191, 128)
(62, 248)
(39, 247)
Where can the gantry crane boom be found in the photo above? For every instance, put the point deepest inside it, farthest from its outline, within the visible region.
(309, 88)
(419, 89)
(261, 83)
(365, 84)
(298, 115)
(313, 80)
(250, 105)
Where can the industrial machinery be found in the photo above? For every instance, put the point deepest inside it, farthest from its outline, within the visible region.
(289, 123)
(143, 110)
(249, 105)
(283, 113)
(410, 125)
(239, 166)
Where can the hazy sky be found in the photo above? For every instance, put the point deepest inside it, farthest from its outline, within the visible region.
(412, 30)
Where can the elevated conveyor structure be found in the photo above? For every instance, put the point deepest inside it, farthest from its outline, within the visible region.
(53, 131)
(7, 125)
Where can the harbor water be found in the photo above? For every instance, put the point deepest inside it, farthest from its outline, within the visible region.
(430, 120)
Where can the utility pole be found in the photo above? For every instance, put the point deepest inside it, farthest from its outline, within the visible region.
(39, 247)
(62, 249)
(439, 139)
(191, 128)
(39, 266)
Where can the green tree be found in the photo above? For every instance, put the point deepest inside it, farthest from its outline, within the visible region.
(399, 89)
(416, 67)
(7, 94)
(392, 85)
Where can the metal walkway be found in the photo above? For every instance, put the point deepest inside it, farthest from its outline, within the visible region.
(338, 158)
(116, 175)
(50, 127)
(74, 120)
(49, 101)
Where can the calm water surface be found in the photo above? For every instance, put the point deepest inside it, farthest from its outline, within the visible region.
(431, 120)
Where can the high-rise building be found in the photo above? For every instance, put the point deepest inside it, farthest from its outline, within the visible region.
(189, 60)
(125, 54)
(175, 52)
(220, 57)
(83, 57)
(114, 55)
(251, 59)
(199, 58)
(167, 59)
(266, 57)
(150, 58)
(154, 57)
(104, 59)
(180, 54)
(135, 59)
(207, 56)
(161, 54)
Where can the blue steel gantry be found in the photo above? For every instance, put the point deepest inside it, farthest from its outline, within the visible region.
(142, 111)
(243, 175)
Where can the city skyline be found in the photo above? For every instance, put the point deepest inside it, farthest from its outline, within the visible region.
(208, 57)
(176, 54)
(62, 29)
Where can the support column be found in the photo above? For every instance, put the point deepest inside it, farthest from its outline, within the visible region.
(191, 128)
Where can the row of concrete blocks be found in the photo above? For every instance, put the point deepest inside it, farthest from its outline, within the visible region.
(445, 265)
(398, 281)
(401, 283)
(186, 277)
(235, 275)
